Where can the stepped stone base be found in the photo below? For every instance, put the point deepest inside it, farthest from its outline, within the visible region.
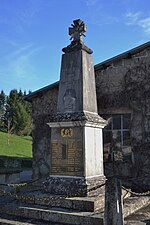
(63, 185)
(55, 215)
(83, 204)
(71, 211)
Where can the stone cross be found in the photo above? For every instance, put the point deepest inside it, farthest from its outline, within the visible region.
(77, 30)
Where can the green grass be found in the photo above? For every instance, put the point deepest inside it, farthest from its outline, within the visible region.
(18, 146)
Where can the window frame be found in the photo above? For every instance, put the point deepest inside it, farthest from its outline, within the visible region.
(122, 130)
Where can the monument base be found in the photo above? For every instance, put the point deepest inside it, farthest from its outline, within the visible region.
(74, 186)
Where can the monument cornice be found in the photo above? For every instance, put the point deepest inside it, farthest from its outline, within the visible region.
(76, 46)
(77, 119)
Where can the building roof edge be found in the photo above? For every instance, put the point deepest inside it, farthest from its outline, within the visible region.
(34, 94)
(126, 54)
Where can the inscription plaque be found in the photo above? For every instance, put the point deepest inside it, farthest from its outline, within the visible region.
(67, 157)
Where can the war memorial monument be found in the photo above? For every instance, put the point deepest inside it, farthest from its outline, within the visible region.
(76, 129)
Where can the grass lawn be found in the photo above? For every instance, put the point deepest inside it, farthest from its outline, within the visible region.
(19, 146)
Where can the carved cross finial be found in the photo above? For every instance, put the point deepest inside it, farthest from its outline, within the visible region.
(77, 30)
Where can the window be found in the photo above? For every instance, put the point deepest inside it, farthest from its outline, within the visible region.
(118, 128)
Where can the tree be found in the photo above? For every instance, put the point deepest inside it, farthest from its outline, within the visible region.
(2, 108)
(11, 109)
(22, 120)
(18, 114)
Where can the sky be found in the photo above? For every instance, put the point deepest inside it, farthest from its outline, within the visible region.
(33, 33)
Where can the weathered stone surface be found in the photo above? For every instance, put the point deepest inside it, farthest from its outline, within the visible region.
(83, 204)
(72, 186)
(75, 46)
(76, 32)
(41, 210)
(65, 185)
(9, 164)
(44, 107)
(79, 116)
(10, 169)
(77, 91)
(113, 214)
(53, 215)
(140, 217)
(123, 87)
(6, 219)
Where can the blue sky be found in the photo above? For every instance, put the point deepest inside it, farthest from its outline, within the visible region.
(33, 33)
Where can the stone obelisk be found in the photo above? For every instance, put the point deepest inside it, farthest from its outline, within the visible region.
(76, 131)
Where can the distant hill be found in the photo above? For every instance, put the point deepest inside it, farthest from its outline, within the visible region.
(13, 145)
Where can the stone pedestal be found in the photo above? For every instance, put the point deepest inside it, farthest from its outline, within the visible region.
(76, 158)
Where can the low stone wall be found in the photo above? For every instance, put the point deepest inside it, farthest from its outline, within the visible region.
(9, 164)
(11, 168)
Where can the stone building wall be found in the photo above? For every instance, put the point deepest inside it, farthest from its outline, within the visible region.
(44, 107)
(123, 86)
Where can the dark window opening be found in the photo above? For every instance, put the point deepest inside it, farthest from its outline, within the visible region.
(118, 131)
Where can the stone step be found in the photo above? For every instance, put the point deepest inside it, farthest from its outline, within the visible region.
(133, 222)
(89, 204)
(65, 215)
(140, 217)
(133, 204)
(11, 220)
(55, 215)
